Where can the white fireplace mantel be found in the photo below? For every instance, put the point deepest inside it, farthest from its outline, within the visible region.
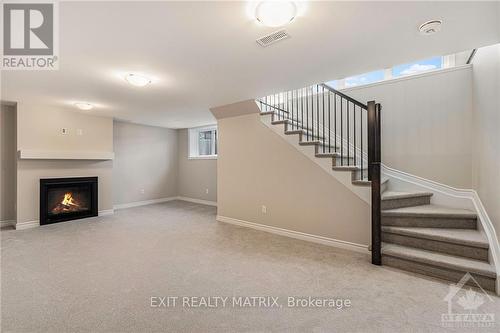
(65, 155)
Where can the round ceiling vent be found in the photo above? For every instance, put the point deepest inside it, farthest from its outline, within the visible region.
(430, 27)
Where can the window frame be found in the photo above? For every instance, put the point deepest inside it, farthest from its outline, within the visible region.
(193, 142)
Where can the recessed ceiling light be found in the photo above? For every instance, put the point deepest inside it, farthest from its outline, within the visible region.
(84, 106)
(275, 13)
(430, 27)
(137, 80)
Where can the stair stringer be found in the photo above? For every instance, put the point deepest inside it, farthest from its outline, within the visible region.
(345, 178)
(448, 196)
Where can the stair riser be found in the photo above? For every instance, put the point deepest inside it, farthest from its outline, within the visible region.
(428, 222)
(405, 202)
(454, 276)
(437, 246)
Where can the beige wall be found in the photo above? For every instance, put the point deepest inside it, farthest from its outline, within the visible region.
(40, 129)
(256, 167)
(196, 176)
(486, 167)
(146, 163)
(426, 124)
(8, 160)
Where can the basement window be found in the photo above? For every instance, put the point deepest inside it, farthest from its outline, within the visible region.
(203, 142)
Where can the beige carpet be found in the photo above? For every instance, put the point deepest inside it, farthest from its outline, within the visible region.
(99, 274)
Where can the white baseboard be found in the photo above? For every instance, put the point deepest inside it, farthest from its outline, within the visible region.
(106, 212)
(203, 202)
(297, 235)
(27, 225)
(143, 203)
(7, 223)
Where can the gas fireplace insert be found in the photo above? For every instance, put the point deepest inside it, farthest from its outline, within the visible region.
(65, 199)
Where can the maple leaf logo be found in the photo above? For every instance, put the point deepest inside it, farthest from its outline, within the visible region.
(471, 300)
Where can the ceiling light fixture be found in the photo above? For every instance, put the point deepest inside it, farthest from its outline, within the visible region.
(430, 27)
(275, 13)
(137, 80)
(84, 106)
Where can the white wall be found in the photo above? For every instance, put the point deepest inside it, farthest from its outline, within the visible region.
(486, 148)
(8, 163)
(426, 124)
(195, 176)
(146, 163)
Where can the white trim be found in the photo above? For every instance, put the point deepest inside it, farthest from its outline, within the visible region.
(407, 77)
(296, 234)
(200, 201)
(65, 155)
(7, 223)
(444, 194)
(203, 157)
(142, 203)
(106, 212)
(27, 225)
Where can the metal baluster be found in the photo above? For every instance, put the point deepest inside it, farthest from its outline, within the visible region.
(329, 123)
(323, 107)
(354, 133)
(312, 113)
(317, 110)
(341, 131)
(348, 138)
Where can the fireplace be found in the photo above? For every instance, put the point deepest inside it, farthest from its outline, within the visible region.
(64, 199)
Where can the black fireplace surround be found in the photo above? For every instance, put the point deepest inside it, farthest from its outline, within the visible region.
(64, 199)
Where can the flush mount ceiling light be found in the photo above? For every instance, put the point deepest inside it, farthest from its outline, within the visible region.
(84, 106)
(275, 13)
(430, 27)
(137, 80)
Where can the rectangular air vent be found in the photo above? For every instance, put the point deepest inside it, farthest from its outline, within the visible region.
(273, 38)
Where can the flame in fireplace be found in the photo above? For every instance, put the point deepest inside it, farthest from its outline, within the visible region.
(68, 200)
(68, 204)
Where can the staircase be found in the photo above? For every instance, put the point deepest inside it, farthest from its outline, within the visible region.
(408, 231)
(434, 240)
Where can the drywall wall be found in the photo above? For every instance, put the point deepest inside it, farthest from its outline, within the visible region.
(486, 115)
(256, 168)
(8, 160)
(146, 163)
(426, 124)
(41, 129)
(196, 176)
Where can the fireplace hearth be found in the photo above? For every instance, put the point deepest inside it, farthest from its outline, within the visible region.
(65, 199)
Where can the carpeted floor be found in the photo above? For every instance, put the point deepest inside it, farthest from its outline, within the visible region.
(99, 274)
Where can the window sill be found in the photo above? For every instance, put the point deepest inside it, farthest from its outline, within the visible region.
(203, 157)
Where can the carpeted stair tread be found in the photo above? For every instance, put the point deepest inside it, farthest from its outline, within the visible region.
(435, 211)
(393, 195)
(467, 237)
(439, 259)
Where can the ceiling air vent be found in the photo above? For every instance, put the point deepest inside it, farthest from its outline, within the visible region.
(273, 38)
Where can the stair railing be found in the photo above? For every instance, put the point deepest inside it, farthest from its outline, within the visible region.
(341, 126)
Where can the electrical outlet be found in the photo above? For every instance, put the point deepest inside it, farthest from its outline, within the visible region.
(142, 191)
(206, 191)
(264, 209)
(64, 131)
(79, 131)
